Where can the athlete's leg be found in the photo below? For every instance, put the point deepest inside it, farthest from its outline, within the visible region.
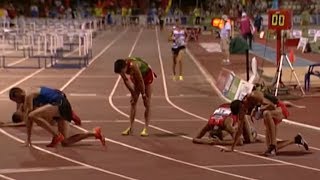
(180, 59)
(133, 109)
(268, 117)
(174, 64)
(248, 133)
(63, 127)
(147, 105)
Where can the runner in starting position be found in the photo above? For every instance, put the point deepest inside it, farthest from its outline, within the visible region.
(47, 107)
(141, 76)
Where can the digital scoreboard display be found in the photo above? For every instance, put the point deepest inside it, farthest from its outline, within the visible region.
(279, 19)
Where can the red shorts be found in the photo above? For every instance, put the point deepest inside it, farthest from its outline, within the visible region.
(148, 78)
(285, 112)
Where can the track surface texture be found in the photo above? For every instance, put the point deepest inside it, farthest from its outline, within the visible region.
(179, 110)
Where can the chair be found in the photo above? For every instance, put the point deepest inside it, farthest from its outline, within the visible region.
(303, 44)
(309, 74)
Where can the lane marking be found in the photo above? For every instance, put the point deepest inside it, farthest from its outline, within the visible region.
(28, 77)
(42, 69)
(40, 169)
(310, 147)
(64, 157)
(211, 81)
(46, 141)
(246, 165)
(153, 107)
(204, 119)
(6, 177)
(155, 154)
(83, 94)
(153, 120)
(92, 61)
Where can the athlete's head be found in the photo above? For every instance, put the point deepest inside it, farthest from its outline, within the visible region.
(120, 66)
(17, 117)
(235, 107)
(17, 95)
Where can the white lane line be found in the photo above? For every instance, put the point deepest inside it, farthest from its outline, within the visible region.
(28, 77)
(64, 157)
(246, 165)
(6, 177)
(83, 94)
(204, 119)
(17, 62)
(40, 169)
(92, 61)
(153, 120)
(155, 154)
(211, 81)
(47, 142)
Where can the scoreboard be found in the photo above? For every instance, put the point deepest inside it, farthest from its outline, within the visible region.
(279, 19)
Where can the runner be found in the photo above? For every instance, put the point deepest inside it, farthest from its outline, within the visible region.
(272, 111)
(46, 107)
(178, 37)
(222, 122)
(141, 76)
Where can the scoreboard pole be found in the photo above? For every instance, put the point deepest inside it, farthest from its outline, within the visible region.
(278, 50)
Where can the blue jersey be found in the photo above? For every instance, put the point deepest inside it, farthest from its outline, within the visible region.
(48, 96)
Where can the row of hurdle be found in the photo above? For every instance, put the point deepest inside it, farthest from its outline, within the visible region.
(48, 39)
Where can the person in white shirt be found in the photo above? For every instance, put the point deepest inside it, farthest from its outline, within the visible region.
(178, 37)
(225, 34)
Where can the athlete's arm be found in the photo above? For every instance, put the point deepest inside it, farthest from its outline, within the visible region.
(138, 76)
(28, 107)
(10, 124)
(126, 82)
(240, 128)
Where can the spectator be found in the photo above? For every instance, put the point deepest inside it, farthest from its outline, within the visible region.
(34, 11)
(245, 28)
(258, 22)
(225, 35)
(197, 14)
(3, 13)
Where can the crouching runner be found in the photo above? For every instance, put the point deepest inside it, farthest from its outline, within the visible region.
(222, 122)
(46, 107)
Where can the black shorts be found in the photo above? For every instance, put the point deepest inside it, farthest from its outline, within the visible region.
(65, 108)
(177, 50)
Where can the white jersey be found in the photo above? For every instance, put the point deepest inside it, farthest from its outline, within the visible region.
(179, 38)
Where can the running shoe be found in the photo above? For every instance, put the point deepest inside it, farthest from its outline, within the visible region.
(99, 135)
(144, 132)
(56, 140)
(127, 132)
(174, 78)
(271, 151)
(181, 78)
(300, 141)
